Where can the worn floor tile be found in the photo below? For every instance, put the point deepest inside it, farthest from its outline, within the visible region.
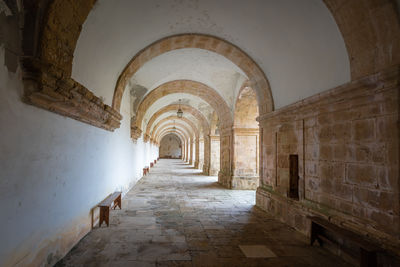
(177, 217)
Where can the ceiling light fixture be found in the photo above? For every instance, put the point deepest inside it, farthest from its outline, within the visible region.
(179, 113)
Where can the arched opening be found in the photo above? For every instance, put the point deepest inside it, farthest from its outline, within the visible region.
(246, 140)
(170, 147)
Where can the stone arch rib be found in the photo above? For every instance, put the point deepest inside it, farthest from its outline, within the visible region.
(176, 118)
(186, 109)
(201, 90)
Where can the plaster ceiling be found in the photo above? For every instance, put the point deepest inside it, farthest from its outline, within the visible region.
(296, 43)
(193, 64)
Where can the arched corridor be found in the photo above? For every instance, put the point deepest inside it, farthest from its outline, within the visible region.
(177, 217)
(250, 121)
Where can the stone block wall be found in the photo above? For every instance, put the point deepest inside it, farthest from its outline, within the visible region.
(245, 158)
(347, 142)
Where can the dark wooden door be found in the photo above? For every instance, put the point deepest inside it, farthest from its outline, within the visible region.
(294, 176)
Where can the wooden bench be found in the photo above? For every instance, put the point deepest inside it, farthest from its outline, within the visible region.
(113, 200)
(368, 250)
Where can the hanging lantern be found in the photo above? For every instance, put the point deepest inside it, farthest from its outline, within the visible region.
(179, 113)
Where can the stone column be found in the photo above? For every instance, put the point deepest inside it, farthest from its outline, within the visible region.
(225, 173)
(200, 153)
(197, 154)
(191, 154)
(245, 163)
(215, 154)
(207, 155)
(187, 151)
(184, 151)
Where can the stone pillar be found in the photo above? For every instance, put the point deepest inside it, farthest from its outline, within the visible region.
(245, 163)
(197, 153)
(201, 153)
(225, 173)
(187, 151)
(215, 154)
(184, 151)
(207, 155)
(191, 154)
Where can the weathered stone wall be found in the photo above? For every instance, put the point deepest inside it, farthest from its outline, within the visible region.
(170, 147)
(347, 141)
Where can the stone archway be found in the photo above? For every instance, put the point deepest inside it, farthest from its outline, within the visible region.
(200, 41)
(245, 170)
(194, 143)
(185, 145)
(203, 91)
(210, 96)
(203, 142)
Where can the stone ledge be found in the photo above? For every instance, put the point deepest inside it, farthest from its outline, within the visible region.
(48, 90)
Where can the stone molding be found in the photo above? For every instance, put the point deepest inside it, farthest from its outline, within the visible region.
(62, 95)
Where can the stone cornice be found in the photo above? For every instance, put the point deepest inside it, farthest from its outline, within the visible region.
(47, 88)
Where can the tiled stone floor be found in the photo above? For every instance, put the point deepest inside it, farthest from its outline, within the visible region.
(177, 217)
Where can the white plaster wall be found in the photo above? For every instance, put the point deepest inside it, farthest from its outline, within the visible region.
(296, 43)
(53, 171)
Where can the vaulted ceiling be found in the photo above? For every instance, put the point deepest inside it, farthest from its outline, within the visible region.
(296, 44)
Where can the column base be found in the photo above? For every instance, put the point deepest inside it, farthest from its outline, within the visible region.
(225, 180)
(213, 172)
(245, 183)
(206, 170)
